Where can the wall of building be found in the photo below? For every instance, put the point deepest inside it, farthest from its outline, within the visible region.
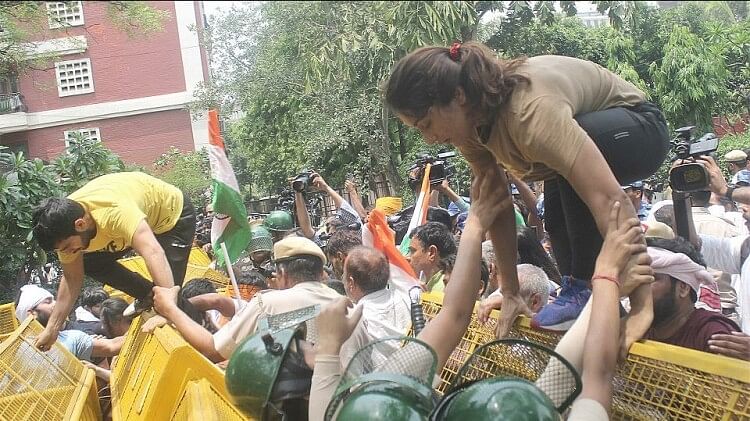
(123, 67)
(138, 139)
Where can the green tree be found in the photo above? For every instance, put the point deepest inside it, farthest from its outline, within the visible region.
(306, 75)
(691, 79)
(21, 20)
(24, 183)
(190, 172)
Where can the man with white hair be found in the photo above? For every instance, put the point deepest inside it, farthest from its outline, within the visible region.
(533, 288)
(39, 303)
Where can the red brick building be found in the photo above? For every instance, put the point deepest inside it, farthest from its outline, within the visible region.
(129, 92)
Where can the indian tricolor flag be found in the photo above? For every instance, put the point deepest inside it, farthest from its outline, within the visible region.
(377, 234)
(419, 216)
(230, 224)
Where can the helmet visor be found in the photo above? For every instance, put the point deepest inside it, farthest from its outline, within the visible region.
(549, 371)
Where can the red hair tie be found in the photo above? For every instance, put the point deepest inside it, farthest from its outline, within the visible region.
(454, 52)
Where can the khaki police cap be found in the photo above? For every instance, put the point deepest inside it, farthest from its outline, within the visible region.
(736, 156)
(292, 247)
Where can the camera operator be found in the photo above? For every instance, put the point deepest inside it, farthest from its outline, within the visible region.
(728, 254)
(345, 213)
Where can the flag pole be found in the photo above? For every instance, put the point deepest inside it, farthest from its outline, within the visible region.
(228, 264)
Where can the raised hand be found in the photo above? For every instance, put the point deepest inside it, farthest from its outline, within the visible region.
(620, 244)
(334, 326)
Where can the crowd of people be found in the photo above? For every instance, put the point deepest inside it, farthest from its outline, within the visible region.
(558, 226)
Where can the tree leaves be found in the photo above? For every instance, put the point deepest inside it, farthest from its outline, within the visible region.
(21, 21)
(691, 79)
(24, 183)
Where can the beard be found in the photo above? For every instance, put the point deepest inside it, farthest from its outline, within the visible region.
(42, 318)
(86, 237)
(664, 308)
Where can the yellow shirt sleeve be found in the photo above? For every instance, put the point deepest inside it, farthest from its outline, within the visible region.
(545, 132)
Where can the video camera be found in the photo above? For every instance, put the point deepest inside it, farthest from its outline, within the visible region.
(302, 181)
(691, 176)
(440, 169)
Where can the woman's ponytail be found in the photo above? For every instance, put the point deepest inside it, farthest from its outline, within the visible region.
(430, 76)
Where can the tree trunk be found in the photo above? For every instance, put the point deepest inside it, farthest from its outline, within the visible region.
(401, 141)
(380, 148)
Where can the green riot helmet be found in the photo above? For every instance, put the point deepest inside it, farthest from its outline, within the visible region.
(511, 379)
(500, 398)
(267, 376)
(393, 389)
(260, 239)
(279, 221)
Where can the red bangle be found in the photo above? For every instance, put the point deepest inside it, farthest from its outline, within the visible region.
(609, 278)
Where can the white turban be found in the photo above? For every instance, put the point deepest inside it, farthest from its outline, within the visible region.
(679, 266)
(31, 296)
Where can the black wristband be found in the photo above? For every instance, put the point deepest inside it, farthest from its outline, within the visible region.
(728, 194)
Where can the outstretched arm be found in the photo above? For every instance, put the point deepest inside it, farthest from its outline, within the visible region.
(67, 293)
(165, 303)
(602, 340)
(355, 199)
(303, 217)
(503, 235)
(214, 301)
(594, 182)
(718, 184)
(321, 185)
(145, 244)
(445, 331)
(334, 328)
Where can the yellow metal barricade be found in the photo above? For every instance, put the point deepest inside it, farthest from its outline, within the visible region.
(153, 372)
(666, 382)
(37, 385)
(8, 322)
(478, 334)
(657, 381)
(197, 267)
(201, 401)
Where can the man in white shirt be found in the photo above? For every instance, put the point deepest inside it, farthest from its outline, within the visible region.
(299, 274)
(729, 255)
(708, 224)
(385, 312)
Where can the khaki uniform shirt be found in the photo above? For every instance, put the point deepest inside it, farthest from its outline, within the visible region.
(535, 136)
(271, 302)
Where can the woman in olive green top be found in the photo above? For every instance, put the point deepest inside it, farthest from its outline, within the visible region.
(578, 127)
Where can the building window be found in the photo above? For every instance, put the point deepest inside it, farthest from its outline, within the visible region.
(74, 77)
(90, 133)
(63, 14)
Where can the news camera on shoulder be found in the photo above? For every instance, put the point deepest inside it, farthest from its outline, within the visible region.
(691, 175)
(440, 169)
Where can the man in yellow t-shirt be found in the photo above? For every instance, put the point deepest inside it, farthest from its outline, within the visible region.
(102, 221)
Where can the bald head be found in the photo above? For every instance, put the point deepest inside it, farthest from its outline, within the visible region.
(368, 268)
